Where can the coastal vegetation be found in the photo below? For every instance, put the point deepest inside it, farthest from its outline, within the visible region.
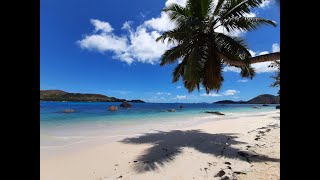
(261, 99)
(58, 95)
(202, 50)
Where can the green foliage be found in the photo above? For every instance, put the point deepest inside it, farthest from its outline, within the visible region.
(201, 49)
(276, 77)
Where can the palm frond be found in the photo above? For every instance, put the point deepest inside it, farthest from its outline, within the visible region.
(234, 8)
(173, 54)
(204, 51)
(199, 8)
(212, 74)
(176, 11)
(178, 34)
(192, 73)
(247, 72)
(245, 23)
(233, 47)
(179, 70)
(218, 7)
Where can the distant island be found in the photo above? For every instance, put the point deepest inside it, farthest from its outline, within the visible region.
(261, 99)
(58, 95)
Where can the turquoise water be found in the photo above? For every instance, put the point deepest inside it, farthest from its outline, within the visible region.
(92, 119)
(51, 113)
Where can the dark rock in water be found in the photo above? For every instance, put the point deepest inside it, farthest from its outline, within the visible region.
(113, 108)
(171, 110)
(225, 178)
(239, 172)
(265, 105)
(69, 111)
(229, 102)
(256, 107)
(181, 106)
(125, 104)
(214, 112)
(220, 173)
(278, 107)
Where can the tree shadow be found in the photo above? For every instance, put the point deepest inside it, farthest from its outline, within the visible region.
(167, 145)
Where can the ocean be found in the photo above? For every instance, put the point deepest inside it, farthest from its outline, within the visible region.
(93, 121)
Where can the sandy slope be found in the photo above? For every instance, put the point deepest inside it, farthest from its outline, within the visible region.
(244, 148)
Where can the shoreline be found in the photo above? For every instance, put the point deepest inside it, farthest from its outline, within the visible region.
(138, 128)
(187, 154)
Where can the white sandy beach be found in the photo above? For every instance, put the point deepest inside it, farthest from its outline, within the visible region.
(243, 148)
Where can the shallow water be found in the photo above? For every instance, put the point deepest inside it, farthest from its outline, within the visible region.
(93, 121)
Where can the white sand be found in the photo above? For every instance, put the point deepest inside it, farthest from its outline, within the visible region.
(197, 152)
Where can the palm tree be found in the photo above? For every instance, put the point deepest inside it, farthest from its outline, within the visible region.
(202, 50)
(276, 77)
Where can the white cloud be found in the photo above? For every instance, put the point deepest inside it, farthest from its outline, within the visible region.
(231, 69)
(101, 25)
(263, 67)
(126, 57)
(275, 47)
(180, 2)
(178, 87)
(230, 92)
(210, 94)
(181, 97)
(266, 3)
(104, 42)
(143, 46)
(258, 67)
(138, 44)
(242, 80)
(165, 93)
(127, 25)
(162, 23)
(263, 53)
(107, 42)
(252, 53)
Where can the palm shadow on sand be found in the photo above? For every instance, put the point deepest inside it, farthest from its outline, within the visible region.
(167, 145)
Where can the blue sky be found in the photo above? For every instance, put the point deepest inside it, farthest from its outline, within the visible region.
(108, 47)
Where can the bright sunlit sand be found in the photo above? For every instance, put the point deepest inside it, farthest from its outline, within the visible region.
(242, 148)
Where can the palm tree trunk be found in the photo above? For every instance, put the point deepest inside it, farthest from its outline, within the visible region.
(264, 58)
(257, 59)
